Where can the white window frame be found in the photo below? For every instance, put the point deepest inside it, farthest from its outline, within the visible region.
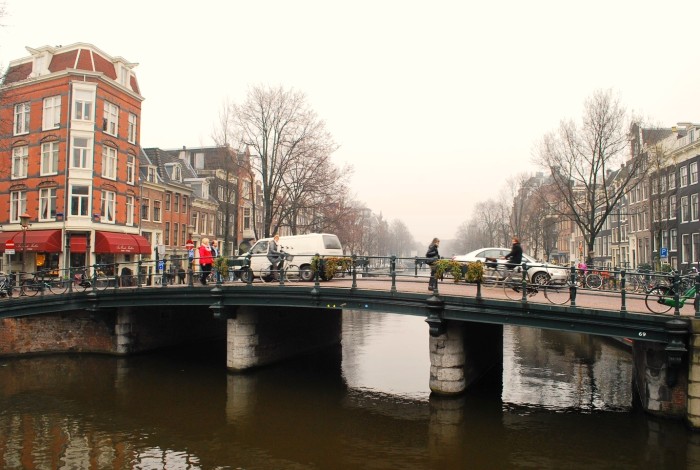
(130, 210)
(83, 105)
(157, 212)
(145, 202)
(151, 174)
(109, 162)
(131, 130)
(47, 204)
(694, 207)
(685, 247)
(18, 205)
(130, 169)
(49, 158)
(685, 209)
(108, 204)
(20, 162)
(21, 124)
(51, 118)
(82, 208)
(82, 155)
(110, 119)
(672, 239)
(672, 180)
(693, 172)
(672, 206)
(684, 176)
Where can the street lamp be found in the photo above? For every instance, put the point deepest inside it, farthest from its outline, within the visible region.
(24, 222)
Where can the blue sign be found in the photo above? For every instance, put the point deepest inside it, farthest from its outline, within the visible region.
(664, 252)
(161, 264)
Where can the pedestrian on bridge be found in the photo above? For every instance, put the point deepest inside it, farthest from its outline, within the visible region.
(205, 260)
(433, 255)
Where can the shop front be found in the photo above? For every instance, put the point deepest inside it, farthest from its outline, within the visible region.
(36, 250)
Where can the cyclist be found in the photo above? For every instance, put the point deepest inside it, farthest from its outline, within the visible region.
(273, 254)
(515, 257)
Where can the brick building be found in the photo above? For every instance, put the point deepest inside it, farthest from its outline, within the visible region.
(69, 126)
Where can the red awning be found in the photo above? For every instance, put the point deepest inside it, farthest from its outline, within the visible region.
(78, 243)
(113, 242)
(37, 240)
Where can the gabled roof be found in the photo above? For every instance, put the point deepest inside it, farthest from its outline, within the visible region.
(160, 158)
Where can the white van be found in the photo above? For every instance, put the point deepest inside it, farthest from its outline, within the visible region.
(302, 247)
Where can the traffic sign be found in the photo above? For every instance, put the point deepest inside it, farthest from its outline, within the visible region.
(9, 247)
(161, 265)
(189, 245)
(664, 252)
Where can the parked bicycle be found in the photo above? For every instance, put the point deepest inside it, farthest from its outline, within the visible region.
(39, 282)
(6, 285)
(662, 297)
(81, 281)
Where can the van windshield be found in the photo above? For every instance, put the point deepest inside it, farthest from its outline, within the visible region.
(260, 247)
(331, 242)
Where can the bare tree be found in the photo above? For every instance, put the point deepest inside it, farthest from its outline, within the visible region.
(581, 158)
(285, 134)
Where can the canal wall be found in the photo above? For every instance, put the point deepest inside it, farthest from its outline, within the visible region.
(119, 331)
(259, 336)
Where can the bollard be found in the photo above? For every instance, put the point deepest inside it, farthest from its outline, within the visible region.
(354, 272)
(392, 266)
(623, 291)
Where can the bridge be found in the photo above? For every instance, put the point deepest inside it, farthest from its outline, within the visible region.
(267, 322)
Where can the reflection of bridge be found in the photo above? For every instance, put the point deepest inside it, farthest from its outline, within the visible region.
(268, 322)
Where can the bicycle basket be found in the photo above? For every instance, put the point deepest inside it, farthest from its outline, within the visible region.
(288, 257)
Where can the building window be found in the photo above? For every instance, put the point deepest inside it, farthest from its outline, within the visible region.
(185, 202)
(20, 161)
(47, 204)
(82, 152)
(168, 197)
(176, 233)
(131, 132)
(130, 210)
(18, 205)
(166, 235)
(51, 119)
(130, 169)
(685, 254)
(145, 209)
(672, 206)
(80, 201)
(108, 207)
(83, 105)
(156, 211)
(673, 236)
(49, 158)
(684, 176)
(151, 175)
(109, 162)
(696, 247)
(693, 172)
(694, 206)
(176, 204)
(246, 218)
(672, 180)
(110, 120)
(685, 209)
(195, 222)
(21, 118)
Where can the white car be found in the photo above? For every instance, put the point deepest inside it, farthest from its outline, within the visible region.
(537, 272)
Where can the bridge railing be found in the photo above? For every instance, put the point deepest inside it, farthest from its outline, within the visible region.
(653, 292)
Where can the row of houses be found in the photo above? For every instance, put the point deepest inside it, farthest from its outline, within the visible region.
(78, 188)
(657, 221)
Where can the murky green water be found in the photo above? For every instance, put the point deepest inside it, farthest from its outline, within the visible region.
(561, 401)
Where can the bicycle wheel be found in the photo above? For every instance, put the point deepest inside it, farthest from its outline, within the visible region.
(58, 286)
(558, 294)
(594, 281)
(292, 273)
(102, 282)
(31, 287)
(513, 289)
(658, 299)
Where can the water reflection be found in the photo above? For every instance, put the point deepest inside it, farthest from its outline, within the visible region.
(560, 400)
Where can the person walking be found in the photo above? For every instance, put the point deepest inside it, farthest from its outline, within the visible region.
(433, 255)
(515, 257)
(205, 260)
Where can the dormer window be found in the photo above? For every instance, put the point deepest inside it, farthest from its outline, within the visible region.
(175, 172)
(151, 174)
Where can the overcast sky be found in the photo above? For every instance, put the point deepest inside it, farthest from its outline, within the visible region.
(434, 104)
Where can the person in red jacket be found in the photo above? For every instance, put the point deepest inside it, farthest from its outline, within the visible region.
(205, 260)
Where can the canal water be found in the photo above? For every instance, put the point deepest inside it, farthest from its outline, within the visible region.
(560, 401)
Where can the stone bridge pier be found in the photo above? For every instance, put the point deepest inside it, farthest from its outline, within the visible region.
(259, 336)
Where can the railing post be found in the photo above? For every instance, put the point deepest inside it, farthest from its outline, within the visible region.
(281, 270)
(94, 277)
(572, 286)
(676, 294)
(623, 290)
(392, 266)
(415, 266)
(247, 263)
(354, 271)
(317, 275)
(696, 303)
(523, 283)
(139, 265)
(164, 278)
